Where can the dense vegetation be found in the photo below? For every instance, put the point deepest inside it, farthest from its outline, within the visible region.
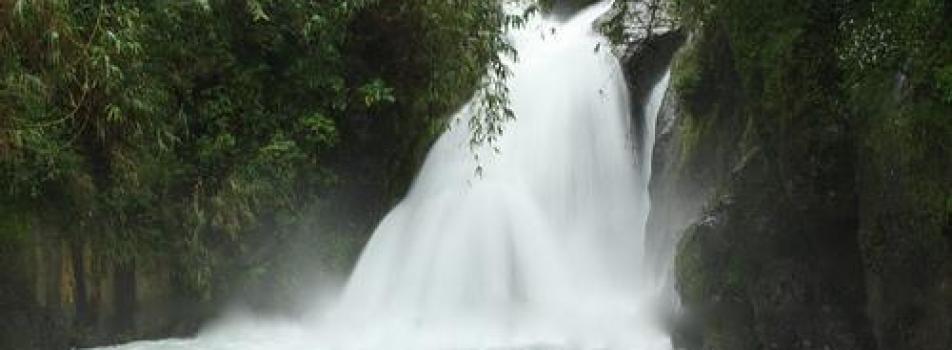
(823, 131)
(160, 156)
(179, 130)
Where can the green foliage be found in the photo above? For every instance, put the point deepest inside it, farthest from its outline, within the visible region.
(692, 13)
(846, 112)
(14, 229)
(686, 72)
(450, 44)
(891, 36)
(689, 267)
(181, 127)
(820, 78)
(944, 82)
(376, 92)
(896, 58)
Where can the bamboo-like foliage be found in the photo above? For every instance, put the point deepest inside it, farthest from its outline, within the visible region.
(179, 126)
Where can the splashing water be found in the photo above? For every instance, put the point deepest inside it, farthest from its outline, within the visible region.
(543, 251)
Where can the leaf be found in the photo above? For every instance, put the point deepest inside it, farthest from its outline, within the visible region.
(376, 92)
(113, 114)
(257, 11)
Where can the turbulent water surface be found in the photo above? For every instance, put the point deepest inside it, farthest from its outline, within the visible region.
(543, 251)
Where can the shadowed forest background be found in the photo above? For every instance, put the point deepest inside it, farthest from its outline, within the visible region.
(160, 160)
(158, 152)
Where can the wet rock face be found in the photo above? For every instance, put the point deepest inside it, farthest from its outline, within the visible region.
(824, 235)
(644, 67)
(645, 56)
(31, 329)
(767, 259)
(23, 325)
(907, 255)
(55, 295)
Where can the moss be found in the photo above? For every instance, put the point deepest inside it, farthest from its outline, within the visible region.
(906, 204)
(690, 138)
(14, 229)
(907, 138)
(944, 82)
(736, 274)
(689, 267)
(614, 27)
(686, 79)
(686, 71)
(836, 159)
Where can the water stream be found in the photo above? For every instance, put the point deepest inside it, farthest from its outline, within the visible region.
(544, 250)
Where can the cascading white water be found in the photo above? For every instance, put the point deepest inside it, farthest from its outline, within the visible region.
(543, 251)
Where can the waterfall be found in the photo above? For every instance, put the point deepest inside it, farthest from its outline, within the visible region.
(543, 250)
